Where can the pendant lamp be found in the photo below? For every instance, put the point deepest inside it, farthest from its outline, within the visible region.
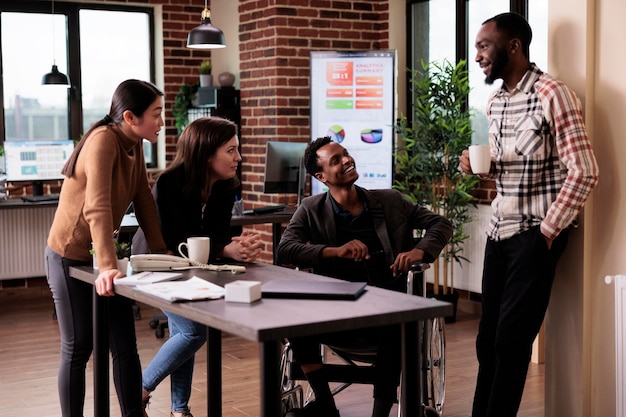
(54, 76)
(206, 36)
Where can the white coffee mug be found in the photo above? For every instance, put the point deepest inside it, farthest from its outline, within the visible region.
(198, 249)
(480, 159)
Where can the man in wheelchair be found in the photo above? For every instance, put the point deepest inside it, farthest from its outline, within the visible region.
(356, 234)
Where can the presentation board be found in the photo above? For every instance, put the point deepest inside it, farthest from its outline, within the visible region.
(353, 101)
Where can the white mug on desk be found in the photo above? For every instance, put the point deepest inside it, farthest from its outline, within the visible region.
(198, 249)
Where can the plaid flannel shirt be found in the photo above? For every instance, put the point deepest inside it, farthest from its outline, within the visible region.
(544, 166)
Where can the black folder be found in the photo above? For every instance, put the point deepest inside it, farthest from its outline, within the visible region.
(320, 290)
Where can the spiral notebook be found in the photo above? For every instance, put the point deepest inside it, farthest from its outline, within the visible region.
(319, 290)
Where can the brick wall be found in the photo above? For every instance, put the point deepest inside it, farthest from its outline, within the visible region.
(275, 44)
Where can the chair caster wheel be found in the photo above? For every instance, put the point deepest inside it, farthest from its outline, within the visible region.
(159, 333)
(154, 324)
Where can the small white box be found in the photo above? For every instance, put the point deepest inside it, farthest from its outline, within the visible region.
(241, 291)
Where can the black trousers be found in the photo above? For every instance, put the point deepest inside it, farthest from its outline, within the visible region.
(386, 339)
(517, 279)
(73, 300)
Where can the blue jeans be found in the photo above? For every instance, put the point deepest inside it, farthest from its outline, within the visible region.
(176, 358)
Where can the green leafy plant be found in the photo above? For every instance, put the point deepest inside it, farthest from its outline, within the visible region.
(182, 103)
(427, 161)
(122, 249)
(205, 67)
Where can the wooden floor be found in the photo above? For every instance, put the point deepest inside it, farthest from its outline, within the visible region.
(29, 356)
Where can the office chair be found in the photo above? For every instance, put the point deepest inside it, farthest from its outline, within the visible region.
(357, 361)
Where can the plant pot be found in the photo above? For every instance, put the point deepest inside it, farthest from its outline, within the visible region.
(122, 265)
(206, 80)
(452, 298)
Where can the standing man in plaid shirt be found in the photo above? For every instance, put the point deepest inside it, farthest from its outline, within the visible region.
(544, 169)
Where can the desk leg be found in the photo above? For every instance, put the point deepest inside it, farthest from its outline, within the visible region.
(270, 379)
(100, 355)
(276, 233)
(411, 378)
(214, 372)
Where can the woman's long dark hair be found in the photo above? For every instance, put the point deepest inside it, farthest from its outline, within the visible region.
(133, 95)
(199, 142)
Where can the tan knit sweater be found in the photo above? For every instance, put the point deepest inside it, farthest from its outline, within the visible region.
(110, 173)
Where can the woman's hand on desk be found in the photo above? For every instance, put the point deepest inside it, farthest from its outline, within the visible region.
(104, 282)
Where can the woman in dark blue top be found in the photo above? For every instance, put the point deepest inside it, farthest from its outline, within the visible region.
(195, 197)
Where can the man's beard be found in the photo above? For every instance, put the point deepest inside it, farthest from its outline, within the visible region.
(497, 66)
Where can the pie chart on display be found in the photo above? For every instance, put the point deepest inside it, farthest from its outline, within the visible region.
(336, 133)
(372, 135)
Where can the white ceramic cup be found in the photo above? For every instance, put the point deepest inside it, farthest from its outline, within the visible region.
(198, 249)
(480, 158)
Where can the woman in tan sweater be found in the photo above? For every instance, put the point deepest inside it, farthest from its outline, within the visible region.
(104, 175)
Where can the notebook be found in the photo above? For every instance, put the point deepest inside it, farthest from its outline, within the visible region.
(143, 278)
(192, 289)
(321, 290)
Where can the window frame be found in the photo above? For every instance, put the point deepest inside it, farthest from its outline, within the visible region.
(461, 38)
(72, 10)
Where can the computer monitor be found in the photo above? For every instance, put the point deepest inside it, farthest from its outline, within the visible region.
(284, 168)
(36, 160)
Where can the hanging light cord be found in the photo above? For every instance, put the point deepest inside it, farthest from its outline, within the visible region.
(206, 13)
(54, 61)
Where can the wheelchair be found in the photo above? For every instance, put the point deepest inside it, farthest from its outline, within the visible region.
(356, 363)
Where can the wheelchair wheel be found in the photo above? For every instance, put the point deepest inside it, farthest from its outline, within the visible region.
(435, 363)
(291, 391)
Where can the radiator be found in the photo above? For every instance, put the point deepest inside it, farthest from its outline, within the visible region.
(620, 342)
(23, 235)
(469, 276)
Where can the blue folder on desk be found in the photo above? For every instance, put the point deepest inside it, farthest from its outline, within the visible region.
(319, 290)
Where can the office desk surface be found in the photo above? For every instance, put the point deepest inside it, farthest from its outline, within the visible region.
(268, 321)
(282, 216)
(272, 319)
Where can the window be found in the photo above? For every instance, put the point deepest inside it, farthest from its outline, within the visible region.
(438, 31)
(97, 46)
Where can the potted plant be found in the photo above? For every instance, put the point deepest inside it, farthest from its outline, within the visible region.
(122, 252)
(182, 102)
(206, 79)
(428, 158)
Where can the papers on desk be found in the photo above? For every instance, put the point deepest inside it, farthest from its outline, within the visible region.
(144, 278)
(192, 289)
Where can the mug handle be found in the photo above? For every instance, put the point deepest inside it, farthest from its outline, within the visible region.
(180, 250)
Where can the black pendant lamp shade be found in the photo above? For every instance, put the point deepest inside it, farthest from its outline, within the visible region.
(55, 77)
(206, 36)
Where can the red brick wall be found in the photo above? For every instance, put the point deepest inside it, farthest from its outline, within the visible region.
(275, 44)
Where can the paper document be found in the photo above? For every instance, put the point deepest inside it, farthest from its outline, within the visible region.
(142, 278)
(192, 289)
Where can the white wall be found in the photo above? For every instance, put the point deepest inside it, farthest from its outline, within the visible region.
(585, 37)
(225, 15)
